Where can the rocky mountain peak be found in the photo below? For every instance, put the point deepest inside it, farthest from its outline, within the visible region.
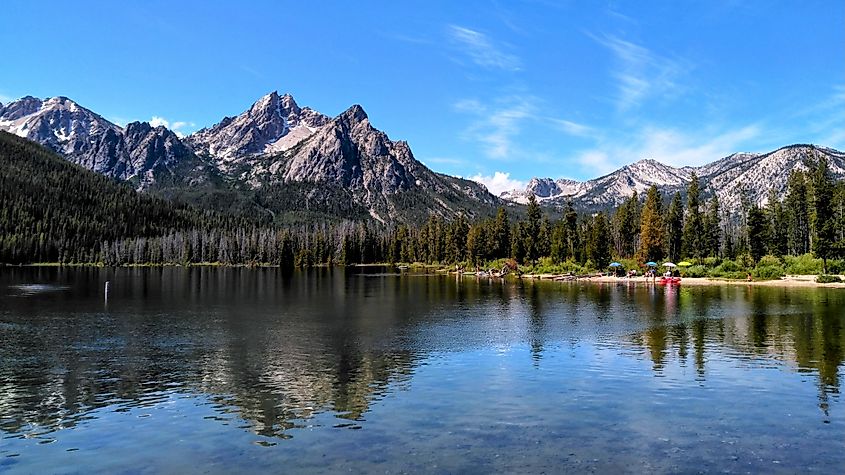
(272, 124)
(354, 115)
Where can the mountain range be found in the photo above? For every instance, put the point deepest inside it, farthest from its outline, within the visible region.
(297, 164)
(750, 174)
(275, 157)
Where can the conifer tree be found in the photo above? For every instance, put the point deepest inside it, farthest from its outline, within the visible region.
(532, 229)
(777, 243)
(570, 217)
(599, 242)
(501, 232)
(757, 230)
(627, 226)
(822, 216)
(713, 228)
(674, 228)
(651, 227)
(692, 245)
(797, 213)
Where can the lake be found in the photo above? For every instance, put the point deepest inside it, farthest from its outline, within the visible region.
(224, 370)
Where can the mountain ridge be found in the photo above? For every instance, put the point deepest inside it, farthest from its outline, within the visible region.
(753, 174)
(259, 154)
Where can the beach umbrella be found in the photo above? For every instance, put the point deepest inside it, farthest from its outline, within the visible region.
(615, 264)
(651, 264)
(669, 264)
(685, 263)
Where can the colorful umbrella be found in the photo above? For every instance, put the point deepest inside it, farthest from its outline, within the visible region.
(669, 264)
(651, 264)
(615, 264)
(685, 263)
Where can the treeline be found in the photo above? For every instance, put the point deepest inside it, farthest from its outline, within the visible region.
(54, 211)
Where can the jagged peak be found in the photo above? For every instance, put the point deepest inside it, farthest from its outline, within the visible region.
(354, 114)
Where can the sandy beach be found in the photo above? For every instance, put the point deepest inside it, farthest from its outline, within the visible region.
(788, 281)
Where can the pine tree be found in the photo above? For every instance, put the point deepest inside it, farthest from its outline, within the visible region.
(777, 244)
(797, 213)
(674, 228)
(627, 226)
(570, 218)
(757, 230)
(501, 232)
(651, 227)
(692, 242)
(713, 228)
(599, 248)
(532, 229)
(822, 218)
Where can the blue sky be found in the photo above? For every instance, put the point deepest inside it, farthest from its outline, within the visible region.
(501, 91)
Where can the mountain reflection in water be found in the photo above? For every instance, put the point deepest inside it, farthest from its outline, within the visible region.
(270, 353)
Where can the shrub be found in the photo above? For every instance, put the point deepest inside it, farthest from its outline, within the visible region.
(828, 279)
(745, 261)
(836, 266)
(769, 260)
(803, 265)
(768, 272)
(712, 261)
(695, 271)
(726, 267)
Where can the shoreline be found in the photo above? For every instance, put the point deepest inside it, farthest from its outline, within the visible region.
(789, 281)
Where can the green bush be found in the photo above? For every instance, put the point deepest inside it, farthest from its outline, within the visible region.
(769, 260)
(726, 267)
(695, 271)
(836, 266)
(803, 265)
(828, 279)
(712, 261)
(769, 272)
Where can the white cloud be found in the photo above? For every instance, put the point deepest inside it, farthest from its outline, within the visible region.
(497, 126)
(641, 73)
(499, 182)
(159, 121)
(176, 126)
(666, 145)
(482, 50)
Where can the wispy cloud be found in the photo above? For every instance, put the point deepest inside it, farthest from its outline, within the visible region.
(482, 50)
(176, 126)
(497, 126)
(666, 145)
(824, 120)
(499, 182)
(641, 73)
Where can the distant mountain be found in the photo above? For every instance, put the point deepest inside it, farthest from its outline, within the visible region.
(138, 152)
(727, 178)
(273, 124)
(290, 161)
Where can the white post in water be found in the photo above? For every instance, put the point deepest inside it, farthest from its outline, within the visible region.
(107, 291)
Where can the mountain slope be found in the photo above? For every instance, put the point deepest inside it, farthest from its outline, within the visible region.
(379, 175)
(54, 210)
(728, 178)
(273, 124)
(276, 158)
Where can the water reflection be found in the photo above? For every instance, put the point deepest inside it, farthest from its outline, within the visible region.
(275, 351)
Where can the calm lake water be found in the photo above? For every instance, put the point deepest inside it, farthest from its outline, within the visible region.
(363, 370)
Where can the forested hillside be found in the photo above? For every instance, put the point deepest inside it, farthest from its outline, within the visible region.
(55, 211)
